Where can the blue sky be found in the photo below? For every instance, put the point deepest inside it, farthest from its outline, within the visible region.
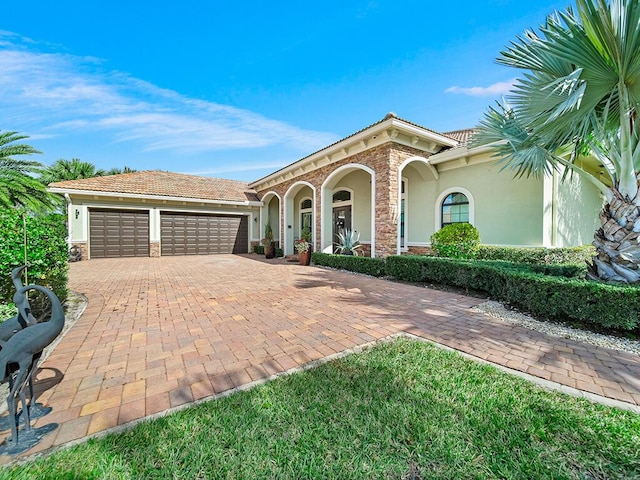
(240, 90)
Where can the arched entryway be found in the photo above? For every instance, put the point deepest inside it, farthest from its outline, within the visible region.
(299, 208)
(416, 193)
(270, 213)
(348, 201)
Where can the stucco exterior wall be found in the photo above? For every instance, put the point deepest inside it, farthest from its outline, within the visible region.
(507, 211)
(419, 214)
(578, 204)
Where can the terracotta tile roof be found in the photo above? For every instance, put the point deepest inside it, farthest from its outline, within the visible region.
(462, 136)
(168, 184)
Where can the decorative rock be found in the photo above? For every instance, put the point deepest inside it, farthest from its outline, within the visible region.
(497, 310)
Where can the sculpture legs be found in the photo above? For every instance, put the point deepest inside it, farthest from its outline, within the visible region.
(16, 386)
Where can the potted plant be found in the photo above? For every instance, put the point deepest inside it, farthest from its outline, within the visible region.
(303, 247)
(267, 241)
(348, 242)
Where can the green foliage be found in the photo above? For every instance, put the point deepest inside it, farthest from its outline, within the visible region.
(259, 249)
(366, 265)
(279, 252)
(537, 255)
(7, 311)
(46, 252)
(306, 234)
(74, 169)
(456, 240)
(268, 232)
(552, 297)
(19, 186)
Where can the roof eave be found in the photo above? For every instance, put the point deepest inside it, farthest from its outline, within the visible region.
(457, 153)
(73, 191)
(372, 131)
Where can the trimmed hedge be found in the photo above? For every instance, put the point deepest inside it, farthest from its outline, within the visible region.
(537, 255)
(259, 249)
(605, 305)
(47, 253)
(376, 267)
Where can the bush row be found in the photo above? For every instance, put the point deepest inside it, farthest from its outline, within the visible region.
(537, 255)
(259, 249)
(46, 252)
(376, 267)
(553, 297)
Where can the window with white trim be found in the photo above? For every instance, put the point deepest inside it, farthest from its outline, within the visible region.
(455, 209)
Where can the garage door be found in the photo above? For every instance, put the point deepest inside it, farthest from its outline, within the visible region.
(185, 234)
(118, 233)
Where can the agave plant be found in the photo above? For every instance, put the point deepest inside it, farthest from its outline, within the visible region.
(348, 242)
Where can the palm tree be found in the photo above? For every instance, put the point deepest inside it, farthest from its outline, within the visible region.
(74, 169)
(117, 171)
(580, 96)
(18, 185)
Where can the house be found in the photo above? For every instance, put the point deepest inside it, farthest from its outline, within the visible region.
(394, 182)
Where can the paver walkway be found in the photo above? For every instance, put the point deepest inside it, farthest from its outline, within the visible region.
(162, 332)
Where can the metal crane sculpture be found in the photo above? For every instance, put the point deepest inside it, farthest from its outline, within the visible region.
(20, 355)
(24, 318)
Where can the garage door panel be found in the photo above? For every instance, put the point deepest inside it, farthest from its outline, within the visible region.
(187, 234)
(118, 233)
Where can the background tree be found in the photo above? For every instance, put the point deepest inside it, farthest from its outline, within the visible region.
(117, 171)
(580, 95)
(74, 169)
(19, 186)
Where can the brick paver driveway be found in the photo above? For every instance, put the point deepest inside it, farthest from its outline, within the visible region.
(163, 332)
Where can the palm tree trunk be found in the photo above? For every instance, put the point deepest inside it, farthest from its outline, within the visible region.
(616, 241)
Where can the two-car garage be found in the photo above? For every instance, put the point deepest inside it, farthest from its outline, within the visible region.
(154, 213)
(126, 233)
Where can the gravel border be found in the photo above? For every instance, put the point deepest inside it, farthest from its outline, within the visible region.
(497, 310)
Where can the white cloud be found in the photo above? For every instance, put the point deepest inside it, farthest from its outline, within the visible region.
(51, 94)
(494, 90)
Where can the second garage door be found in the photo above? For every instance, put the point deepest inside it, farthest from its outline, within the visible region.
(193, 234)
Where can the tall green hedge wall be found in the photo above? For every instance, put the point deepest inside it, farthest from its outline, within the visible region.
(46, 249)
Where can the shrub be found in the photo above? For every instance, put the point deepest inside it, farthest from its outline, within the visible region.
(457, 240)
(279, 252)
(605, 305)
(259, 249)
(7, 311)
(366, 265)
(537, 255)
(47, 254)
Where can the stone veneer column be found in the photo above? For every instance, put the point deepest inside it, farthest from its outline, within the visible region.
(386, 205)
(83, 249)
(154, 249)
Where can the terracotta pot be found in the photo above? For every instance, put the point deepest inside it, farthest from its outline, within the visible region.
(269, 251)
(305, 257)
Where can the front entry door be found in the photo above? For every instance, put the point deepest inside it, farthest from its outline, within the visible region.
(341, 221)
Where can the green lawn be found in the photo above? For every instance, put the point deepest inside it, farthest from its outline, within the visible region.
(400, 410)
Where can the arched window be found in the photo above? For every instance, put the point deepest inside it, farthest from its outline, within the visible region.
(341, 196)
(455, 209)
